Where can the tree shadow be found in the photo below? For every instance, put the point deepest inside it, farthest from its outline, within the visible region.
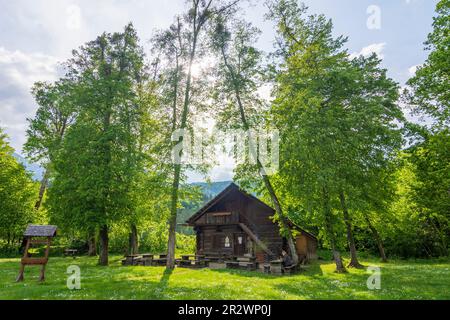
(312, 269)
(164, 281)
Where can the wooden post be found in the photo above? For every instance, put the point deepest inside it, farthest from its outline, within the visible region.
(47, 251)
(22, 265)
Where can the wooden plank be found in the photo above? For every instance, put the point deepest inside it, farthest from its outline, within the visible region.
(220, 214)
(34, 261)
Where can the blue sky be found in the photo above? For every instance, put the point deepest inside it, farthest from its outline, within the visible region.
(36, 34)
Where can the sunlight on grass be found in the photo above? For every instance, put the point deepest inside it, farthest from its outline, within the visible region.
(400, 280)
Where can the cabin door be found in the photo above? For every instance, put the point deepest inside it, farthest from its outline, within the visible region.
(239, 244)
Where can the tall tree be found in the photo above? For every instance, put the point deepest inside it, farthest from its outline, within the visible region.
(46, 131)
(100, 157)
(240, 71)
(428, 92)
(431, 164)
(195, 21)
(338, 118)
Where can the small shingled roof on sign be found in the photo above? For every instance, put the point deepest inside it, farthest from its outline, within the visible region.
(40, 231)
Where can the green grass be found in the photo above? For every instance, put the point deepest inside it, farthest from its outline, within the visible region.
(424, 279)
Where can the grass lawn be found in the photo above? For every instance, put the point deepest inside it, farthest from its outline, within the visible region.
(424, 279)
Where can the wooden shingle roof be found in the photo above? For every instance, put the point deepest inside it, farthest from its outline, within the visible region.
(224, 192)
(40, 231)
(232, 186)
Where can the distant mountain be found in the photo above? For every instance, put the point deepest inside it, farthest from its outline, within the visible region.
(35, 169)
(210, 190)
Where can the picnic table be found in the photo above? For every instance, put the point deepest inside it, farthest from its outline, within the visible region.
(131, 259)
(160, 261)
(70, 252)
(192, 256)
(192, 261)
(247, 263)
(215, 257)
(145, 259)
(276, 267)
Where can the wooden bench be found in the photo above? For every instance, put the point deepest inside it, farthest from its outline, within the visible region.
(159, 262)
(145, 259)
(231, 264)
(290, 269)
(191, 263)
(70, 252)
(215, 257)
(131, 260)
(247, 265)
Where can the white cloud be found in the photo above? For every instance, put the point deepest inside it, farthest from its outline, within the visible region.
(412, 70)
(18, 72)
(376, 48)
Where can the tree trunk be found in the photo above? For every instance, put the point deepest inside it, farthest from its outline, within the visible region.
(276, 203)
(104, 243)
(351, 240)
(177, 166)
(173, 219)
(377, 239)
(329, 229)
(92, 245)
(283, 220)
(42, 188)
(133, 238)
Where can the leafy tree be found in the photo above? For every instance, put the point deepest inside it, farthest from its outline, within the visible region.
(431, 161)
(240, 71)
(17, 195)
(338, 119)
(101, 156)
(185, 38)
(428, 93)
(46, 131)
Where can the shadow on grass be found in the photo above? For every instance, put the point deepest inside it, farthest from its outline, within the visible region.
(164, 282)
(308, 270)
(318, 285)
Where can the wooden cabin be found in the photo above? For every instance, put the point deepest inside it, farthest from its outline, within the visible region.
(236, 223)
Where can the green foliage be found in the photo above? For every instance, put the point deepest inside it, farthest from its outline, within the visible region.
(429, 94)
(18, 193)
(432, 167)
(152, 239)
(98, 165)
(338, 120)
(54, 115)
(427, 197)
(103, 132)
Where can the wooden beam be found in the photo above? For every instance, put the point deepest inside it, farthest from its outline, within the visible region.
(255, 238)
(220, 214)
(33, 261)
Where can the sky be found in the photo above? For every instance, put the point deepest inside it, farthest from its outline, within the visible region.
(35, 35)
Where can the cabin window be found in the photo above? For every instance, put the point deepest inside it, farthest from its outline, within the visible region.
(227, 242)
(240, 240)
